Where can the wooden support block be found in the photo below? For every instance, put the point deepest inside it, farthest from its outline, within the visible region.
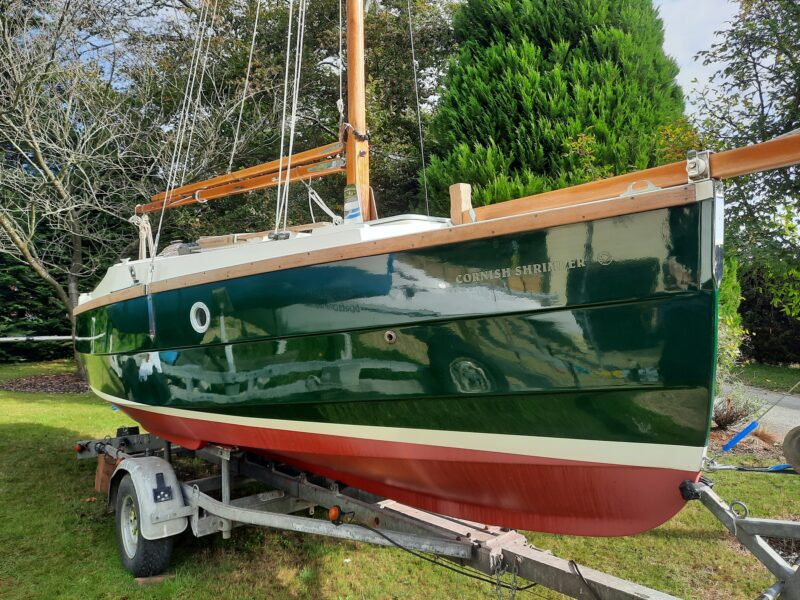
(460, 202)
(145, 581)
(103, 473)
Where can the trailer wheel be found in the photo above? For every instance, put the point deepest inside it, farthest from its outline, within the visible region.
(143, 558)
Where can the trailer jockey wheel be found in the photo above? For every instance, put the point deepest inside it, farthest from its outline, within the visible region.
(143, 558)
(791, 448)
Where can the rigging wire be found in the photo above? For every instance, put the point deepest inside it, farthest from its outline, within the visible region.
(340, 101)
(301, 29)
(283, 192)
(419, 108)
(283, 114)
(199, 94)
(188, 98)
(180, 133)
(246, 84)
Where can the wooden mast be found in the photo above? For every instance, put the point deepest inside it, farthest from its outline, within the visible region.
(357, 144)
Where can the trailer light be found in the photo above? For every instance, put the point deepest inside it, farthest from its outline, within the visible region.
(335, 514)
(78, 448)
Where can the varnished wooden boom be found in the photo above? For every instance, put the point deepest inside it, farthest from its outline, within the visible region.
(317, 162)
(774, 154)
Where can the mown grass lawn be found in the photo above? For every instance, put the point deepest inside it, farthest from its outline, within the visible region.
(769, 377)
(57, 541)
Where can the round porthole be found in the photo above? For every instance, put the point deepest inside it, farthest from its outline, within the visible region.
(200, 317)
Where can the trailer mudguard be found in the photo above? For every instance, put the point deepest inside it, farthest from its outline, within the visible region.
(158, 492)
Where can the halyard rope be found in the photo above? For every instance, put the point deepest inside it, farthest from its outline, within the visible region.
(246, 84)
(340, 101)
(301, 30)
(199, 94)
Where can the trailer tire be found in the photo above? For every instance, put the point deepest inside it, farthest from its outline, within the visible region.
(142, 557)
(791, 448)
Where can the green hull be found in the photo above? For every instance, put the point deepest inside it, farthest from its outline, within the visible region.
(601, 333)
(637, 321)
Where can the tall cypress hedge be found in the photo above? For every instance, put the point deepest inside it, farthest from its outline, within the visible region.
(544, 94)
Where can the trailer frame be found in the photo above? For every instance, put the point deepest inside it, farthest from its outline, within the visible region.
(169, 506)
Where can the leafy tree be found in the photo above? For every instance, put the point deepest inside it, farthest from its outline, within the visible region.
(71, 141)
(396, 159)
(546, 94)
(754, 96)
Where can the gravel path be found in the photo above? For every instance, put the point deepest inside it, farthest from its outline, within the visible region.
(783, 417)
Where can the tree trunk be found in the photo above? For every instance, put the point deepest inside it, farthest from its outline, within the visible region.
(75, 268)
(29, 256)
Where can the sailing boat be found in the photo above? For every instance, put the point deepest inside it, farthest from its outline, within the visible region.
(545, 363)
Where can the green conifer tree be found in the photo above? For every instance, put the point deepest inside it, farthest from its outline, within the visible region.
(29, 308)
(545, 94)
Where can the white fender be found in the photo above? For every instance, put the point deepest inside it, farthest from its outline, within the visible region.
(158, 491)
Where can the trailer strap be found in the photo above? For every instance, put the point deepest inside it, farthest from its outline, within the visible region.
(460, 570)
(782, 469)
(577, 570)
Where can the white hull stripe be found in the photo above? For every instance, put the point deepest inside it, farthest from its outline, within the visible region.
(633, 454)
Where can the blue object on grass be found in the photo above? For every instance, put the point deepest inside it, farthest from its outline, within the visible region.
(740, 436)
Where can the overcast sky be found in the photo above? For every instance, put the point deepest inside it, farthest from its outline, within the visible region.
(689, 26)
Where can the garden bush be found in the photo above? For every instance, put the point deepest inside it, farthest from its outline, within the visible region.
(773, 336)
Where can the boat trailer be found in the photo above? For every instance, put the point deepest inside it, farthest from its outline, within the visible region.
(153, 506)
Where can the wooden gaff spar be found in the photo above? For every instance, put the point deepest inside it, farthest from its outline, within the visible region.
(545, 363)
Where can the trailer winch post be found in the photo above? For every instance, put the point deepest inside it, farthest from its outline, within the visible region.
(751, 533)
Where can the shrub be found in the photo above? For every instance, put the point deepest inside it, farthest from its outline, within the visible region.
(774, 337)
(734, 405)
(730, 332)
(29, 308)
